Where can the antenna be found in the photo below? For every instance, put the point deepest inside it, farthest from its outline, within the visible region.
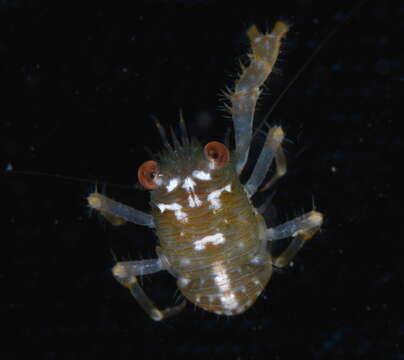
(308, 62)
(67, 178)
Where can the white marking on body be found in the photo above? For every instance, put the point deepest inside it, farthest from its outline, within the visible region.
(182, 282)
(173, 207)
(256, 282)
(172, 184)
(189, 184)
(229, 301)
(256, 260)
(216, 239)
(241, 244)
(214, 196)
(179, 214)
(258, 39)
(222, 280)
(193, 200)
(158, 180)
(201, 175)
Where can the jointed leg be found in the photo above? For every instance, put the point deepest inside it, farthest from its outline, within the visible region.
(301, 229)
(272, 148)
(280, 169)
(118, 213)
(125, 272)
(265, 50)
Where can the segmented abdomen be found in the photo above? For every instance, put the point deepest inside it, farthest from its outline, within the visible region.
(211, 238)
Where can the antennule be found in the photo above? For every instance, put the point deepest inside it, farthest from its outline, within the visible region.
(162, 132)
(183, 128)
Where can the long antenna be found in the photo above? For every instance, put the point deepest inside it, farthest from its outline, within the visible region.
(67, 178)
(258, 128)
(308, 62)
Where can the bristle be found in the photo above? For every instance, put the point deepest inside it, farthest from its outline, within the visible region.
(162, 133)
(176, 142)
(179, 159)
(183, 128)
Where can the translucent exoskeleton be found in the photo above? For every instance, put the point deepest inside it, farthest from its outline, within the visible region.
(211, 237)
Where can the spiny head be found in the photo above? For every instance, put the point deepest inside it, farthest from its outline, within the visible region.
(183, 165)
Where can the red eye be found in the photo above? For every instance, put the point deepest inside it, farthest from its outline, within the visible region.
(218, 153)
(146, 174)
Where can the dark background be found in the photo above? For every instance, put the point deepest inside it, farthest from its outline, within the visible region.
(78, 86)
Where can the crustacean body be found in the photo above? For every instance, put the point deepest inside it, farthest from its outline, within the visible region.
(211, 237)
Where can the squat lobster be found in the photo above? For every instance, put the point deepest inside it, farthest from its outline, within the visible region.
(212, 239)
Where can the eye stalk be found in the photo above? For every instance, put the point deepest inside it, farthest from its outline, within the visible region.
(217, 153)
(147, 173)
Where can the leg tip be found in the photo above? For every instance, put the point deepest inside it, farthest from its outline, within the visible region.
(316, 218)
(119, 270)
(280, 29)
(120, 273)
(156, 315)
(275, 137)
(94, 200)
